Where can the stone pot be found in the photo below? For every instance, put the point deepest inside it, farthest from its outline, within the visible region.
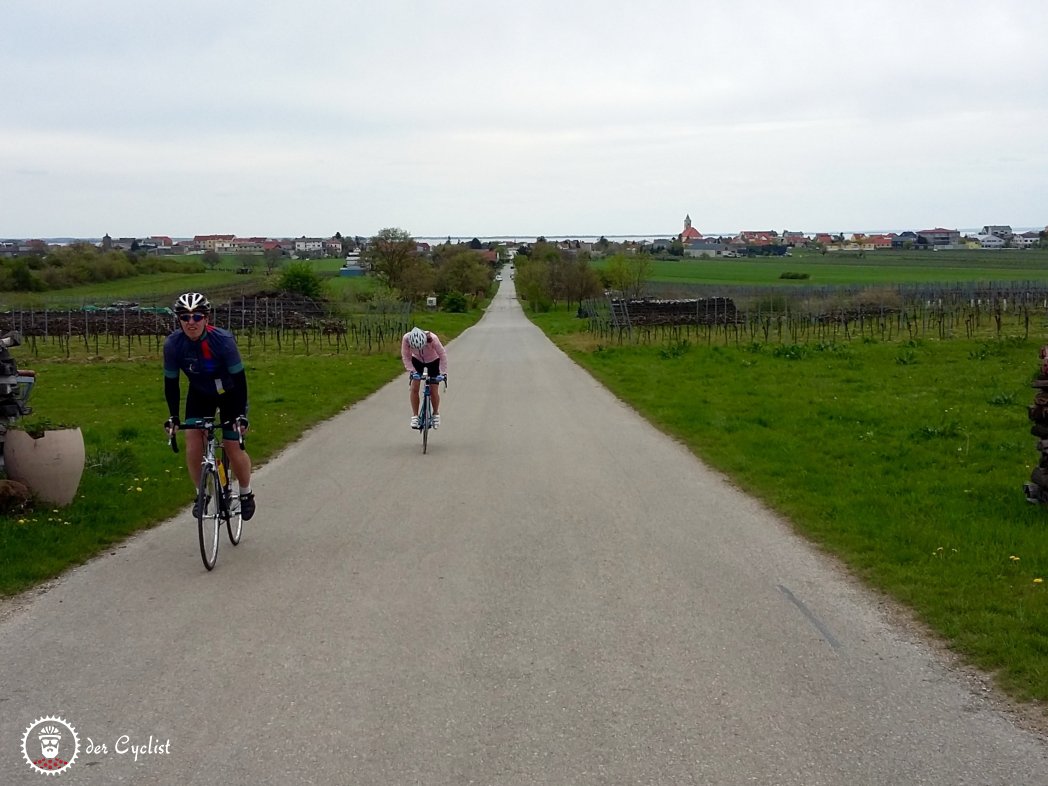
(51, 465)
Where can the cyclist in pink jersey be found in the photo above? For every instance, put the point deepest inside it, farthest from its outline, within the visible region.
(421, 350)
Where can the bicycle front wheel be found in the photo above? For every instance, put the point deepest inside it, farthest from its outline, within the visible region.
(209, 519)
(234, 521)
(424, 422)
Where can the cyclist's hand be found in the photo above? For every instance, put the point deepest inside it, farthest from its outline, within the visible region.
(242, 424)
(415, 375)
(171, 425)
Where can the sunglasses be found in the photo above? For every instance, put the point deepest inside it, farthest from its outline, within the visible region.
(194, 317)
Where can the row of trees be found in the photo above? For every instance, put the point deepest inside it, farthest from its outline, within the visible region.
(451, 271)
(547, 275)
(82, 263)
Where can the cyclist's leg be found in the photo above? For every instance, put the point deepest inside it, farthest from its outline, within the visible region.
(434, 389)
(197, 406)
(239, 460)
(194, 454)
(414, 396)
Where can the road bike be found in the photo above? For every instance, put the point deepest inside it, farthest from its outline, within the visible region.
(425, 410)
(218, 494)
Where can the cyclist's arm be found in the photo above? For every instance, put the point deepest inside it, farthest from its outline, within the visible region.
(172, 394)
(442, 355)
(238, 395)
(405, 356)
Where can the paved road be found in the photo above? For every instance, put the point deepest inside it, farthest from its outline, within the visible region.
(556, 594)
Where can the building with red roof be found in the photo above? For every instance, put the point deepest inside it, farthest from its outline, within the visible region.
(690, 233)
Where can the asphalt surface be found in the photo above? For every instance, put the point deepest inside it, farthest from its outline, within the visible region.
(555, 594)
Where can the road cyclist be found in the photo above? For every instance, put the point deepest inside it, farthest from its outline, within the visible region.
(210, 359)
(421, 350)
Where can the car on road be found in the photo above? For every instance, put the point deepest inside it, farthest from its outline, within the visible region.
(498, 277)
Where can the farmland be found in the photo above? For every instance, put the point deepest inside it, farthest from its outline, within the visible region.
(848, 268)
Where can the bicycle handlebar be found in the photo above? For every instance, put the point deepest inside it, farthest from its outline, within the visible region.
(432, 380)
(202, 424)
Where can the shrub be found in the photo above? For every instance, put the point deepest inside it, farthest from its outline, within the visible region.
(299, 277)
(455, 302)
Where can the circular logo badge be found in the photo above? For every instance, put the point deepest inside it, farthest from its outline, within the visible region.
(50, 745)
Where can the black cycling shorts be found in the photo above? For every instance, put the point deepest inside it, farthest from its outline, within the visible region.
(200, 405)
(433, 367)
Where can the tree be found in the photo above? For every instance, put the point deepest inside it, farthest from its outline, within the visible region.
(272, 257)
(627, 273)
(416, 281)
(461, 270)
(211, 258)
(392, 256)
(581, 280)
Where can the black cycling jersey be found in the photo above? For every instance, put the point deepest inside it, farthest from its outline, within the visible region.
(213, 367)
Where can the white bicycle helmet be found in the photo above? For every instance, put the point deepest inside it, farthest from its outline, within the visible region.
(417, 338)
(191, 301)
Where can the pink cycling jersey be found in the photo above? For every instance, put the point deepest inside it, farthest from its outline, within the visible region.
(433, 350)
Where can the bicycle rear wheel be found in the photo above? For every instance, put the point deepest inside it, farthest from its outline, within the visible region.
(209, 520)
(234, 521)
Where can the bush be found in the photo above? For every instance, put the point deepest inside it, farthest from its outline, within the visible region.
(455, 302)
(299, 277)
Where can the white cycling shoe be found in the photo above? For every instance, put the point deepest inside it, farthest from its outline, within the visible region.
(436, 421)
(414, 421)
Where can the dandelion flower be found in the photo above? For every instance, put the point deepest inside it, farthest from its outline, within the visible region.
(1014, 558)
(1038, 581)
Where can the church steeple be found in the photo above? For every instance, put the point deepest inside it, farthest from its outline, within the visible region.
(690, 232)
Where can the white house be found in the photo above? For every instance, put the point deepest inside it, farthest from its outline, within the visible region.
(310, 244)
(1002, 231)
(990, 241)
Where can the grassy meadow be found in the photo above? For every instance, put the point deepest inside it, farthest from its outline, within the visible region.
(905, 459)
(848, 268)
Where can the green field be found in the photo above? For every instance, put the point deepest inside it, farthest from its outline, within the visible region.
(162, 288)
(847, 268)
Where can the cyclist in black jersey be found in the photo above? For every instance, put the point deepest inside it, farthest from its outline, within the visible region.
(209, 358)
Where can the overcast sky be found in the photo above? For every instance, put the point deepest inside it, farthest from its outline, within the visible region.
(553, 117)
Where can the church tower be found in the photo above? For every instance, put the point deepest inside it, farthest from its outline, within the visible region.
(690, 232)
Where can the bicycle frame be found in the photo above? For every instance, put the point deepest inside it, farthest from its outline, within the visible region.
(215, 486)
(425, 409)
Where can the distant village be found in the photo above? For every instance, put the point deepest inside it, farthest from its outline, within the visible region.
(690, 242)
